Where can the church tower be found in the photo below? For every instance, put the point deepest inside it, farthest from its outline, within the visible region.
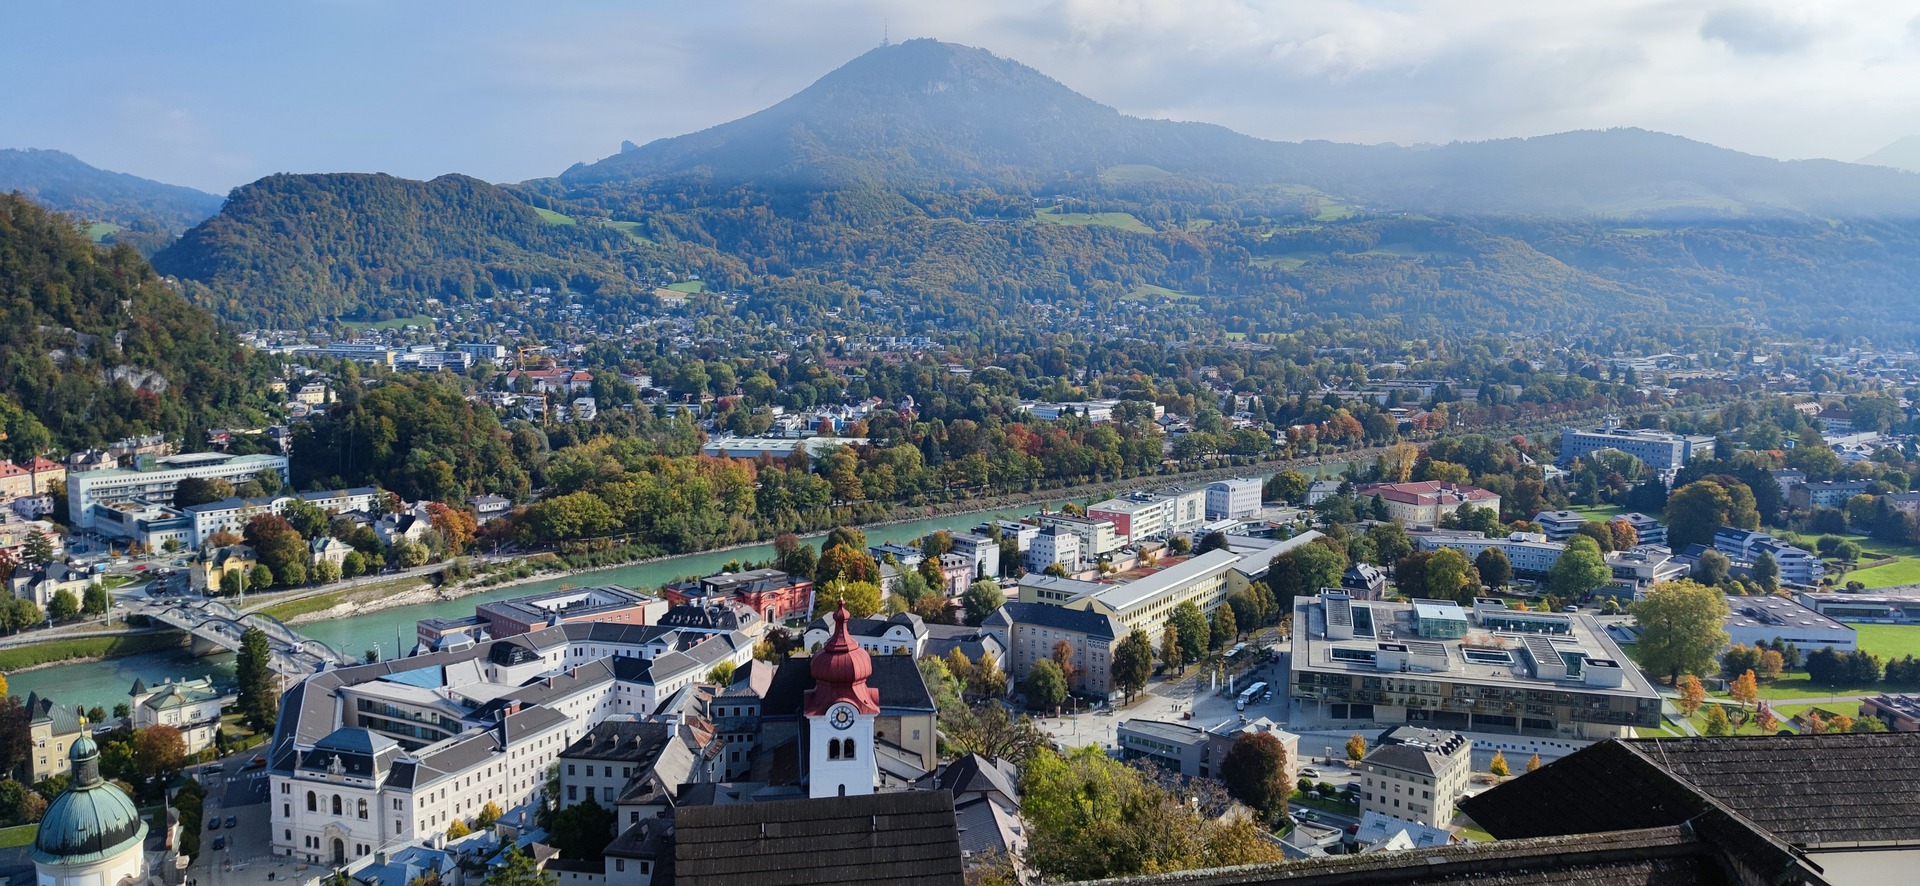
(840, 709)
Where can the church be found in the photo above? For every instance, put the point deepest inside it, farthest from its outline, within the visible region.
(91, 835)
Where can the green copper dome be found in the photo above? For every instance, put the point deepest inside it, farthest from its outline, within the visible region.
(92, 820)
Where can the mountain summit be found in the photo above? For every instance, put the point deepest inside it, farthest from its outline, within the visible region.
(925, 113)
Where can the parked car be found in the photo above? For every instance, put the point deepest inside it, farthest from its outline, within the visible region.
(213, 824)
(231, 821)
(257, 762)
(1310, 772)
(219, 843)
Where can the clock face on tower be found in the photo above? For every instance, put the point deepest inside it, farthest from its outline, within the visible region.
(840, 716)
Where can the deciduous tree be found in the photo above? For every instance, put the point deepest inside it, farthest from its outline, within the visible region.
(1681, 626)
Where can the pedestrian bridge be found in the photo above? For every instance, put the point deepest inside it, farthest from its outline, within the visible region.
(215, 625)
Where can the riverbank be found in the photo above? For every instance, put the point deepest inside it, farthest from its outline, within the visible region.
(22, 659)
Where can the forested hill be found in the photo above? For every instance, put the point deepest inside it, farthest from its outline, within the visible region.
(97, 347)
(289, 250)
(927, 113)
(141, 206)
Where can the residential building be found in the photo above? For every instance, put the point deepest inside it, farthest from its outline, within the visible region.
(486, 352)
(358, 353)
(1364, 582)
(233, 514)
(1141, 516)
(211, 567)
(879, 636)
(40, 585)
(1098, 538)
(191, 706)
(605, 603)
(1021, 533)
(1658, 450)
(1560, 525)
(1754, 620)
(1835, 420)
(775, 595)
(905, 556)
(1646, 530)
(1030, 631)
(981, 551)
(1882, 607)
(84, 490)
(1363, 663)
(1827, 493)
(621, 761)
(1530, 553)
(488, 508)
(1320, 490)
(52, 730)
(1797, 566)
(1094, 411)
(329, 550)
(1416, 774)
(1637, 570)
(1427, 502)
(1054, 545)
(1233, 499)
(1146, 602)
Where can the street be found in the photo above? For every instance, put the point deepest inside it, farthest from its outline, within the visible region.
(237, 791)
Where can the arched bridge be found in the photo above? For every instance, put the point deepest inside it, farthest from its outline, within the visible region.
(215, 624)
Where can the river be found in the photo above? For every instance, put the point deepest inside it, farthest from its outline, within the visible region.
(105, 683)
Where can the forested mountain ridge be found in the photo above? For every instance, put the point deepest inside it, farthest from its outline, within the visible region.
(924, 113)
(97, 347)
(294, 249)
(146, 213)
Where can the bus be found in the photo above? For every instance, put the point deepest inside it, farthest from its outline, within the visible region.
(1247, 697)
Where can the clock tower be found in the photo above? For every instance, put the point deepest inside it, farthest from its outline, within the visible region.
(840, 710)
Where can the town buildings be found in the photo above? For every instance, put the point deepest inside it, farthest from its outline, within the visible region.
(1416, 774)
(1530, 553)
(1659, 450)
(191, 706)
(1882, 607)
(1196, 752)
(1054, 546)
(775, 595)
(1636, 571)
(52, 730)
(1425, 503)
(1365, 663)
(1098, 538)
(1140, 516)
(1754, 620)
(1806, 496)
(606, 603)
(156, 485)
(1797, 566)
(1030, 631)
(1560, 525)
(1233, 499)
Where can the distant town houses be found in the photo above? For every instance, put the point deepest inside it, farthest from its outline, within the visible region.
(1426, 503)
(1662, 451)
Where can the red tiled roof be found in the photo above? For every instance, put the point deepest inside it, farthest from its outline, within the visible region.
(1426, 492)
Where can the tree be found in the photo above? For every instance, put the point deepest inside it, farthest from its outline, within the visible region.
(37, 550)
(1717, 722)
(1766, 572)
(941, 683)
(982, 599)
(1692, 694)
(199, 491)
(1772, 665)
(519, 869)
(583, 830)
(97, 601)
(96, 715)
(353, 565)
(1255, 773)
(988, 679)
(1766, 719)
(862, 598)
(1681, 628)
(721, 674)
(1533, 763)
(1045, 685)
(259, 696)
(1713, 569)
(1133, 663)
(409, 554)
(1390, 542)
(1303, 571)
(234, 583)
(1495, 569)
(1063, 656)
(989, 730)
(489, 814)
(1356, 747)
(1286, 486)
(159, 750)
(1225, 628)
(278, 545)
(1745, 689)
(852, 564)
(1450, 576)
(63, 606)
(1194, 631)
(1170, 645)
(259, 578)
(1699, 509)
(326, 571)
(1498, 765)
(1580, 570)
(458, 829)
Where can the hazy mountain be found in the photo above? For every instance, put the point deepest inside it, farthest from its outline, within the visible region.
(925, 113)
(1902, 154)
(63, 182)
(292, 249)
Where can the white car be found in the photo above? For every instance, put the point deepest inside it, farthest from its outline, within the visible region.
(1310, 772)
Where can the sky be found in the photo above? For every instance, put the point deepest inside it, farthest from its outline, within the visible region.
(216, 94)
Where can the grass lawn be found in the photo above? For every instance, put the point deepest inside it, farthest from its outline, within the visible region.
(85, 647)
(687, 286)
(1890, 641)
(1799, 686)
(1599, 513)
(1283, 262)
(1133, 172)
(1902, 571)
(1122, 220)
(1147, 290)
(1474, 833)
(14, 837)
(555, 218)
(1331, 211)
(98, 231)
(315, 603)
(1786, 712)
(629, 228)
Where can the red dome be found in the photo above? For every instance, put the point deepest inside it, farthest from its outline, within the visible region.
(840, 671)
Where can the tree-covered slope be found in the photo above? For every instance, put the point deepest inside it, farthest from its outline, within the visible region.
(94, 346)
(62, 181)
(288, 250)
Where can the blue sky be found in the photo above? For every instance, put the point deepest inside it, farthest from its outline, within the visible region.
(215, 94)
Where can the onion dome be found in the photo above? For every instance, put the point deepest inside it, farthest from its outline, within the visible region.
(91, 820)
(840, 671)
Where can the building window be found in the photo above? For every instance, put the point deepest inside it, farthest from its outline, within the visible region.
(313, 803)
(363, 808)
(336, 804)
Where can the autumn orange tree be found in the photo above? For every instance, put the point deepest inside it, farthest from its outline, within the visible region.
(1692, 694)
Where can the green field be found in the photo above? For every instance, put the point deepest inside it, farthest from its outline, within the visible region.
(420, 320)
(1121, 220)
(85, 647)
(688, 286)
(98, 231)
(315, 603)
(555, 218)
(1890, 641)
(1148, 290)
(1199, 224)
(1332, 211)
(15, 837)
(1283, 262)
(1128, 173)
(629, 228)
(1802, 687)
(1902, 571)
(1600, 513)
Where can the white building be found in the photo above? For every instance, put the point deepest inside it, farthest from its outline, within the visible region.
(1560, 525)
(1054, 545)
(1658, 450)
(1529, 552)
(1752, 620)
(1416, 775)
(983, 551)
(1233, 499)
(1098, 538)
(89, 488)
(191, 706)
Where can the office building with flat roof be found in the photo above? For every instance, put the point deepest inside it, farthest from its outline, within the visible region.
(88, 488)
(1358, 664)
(1658, 450)
(1753, 620)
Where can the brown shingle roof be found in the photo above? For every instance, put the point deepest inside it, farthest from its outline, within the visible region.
(906, 837)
